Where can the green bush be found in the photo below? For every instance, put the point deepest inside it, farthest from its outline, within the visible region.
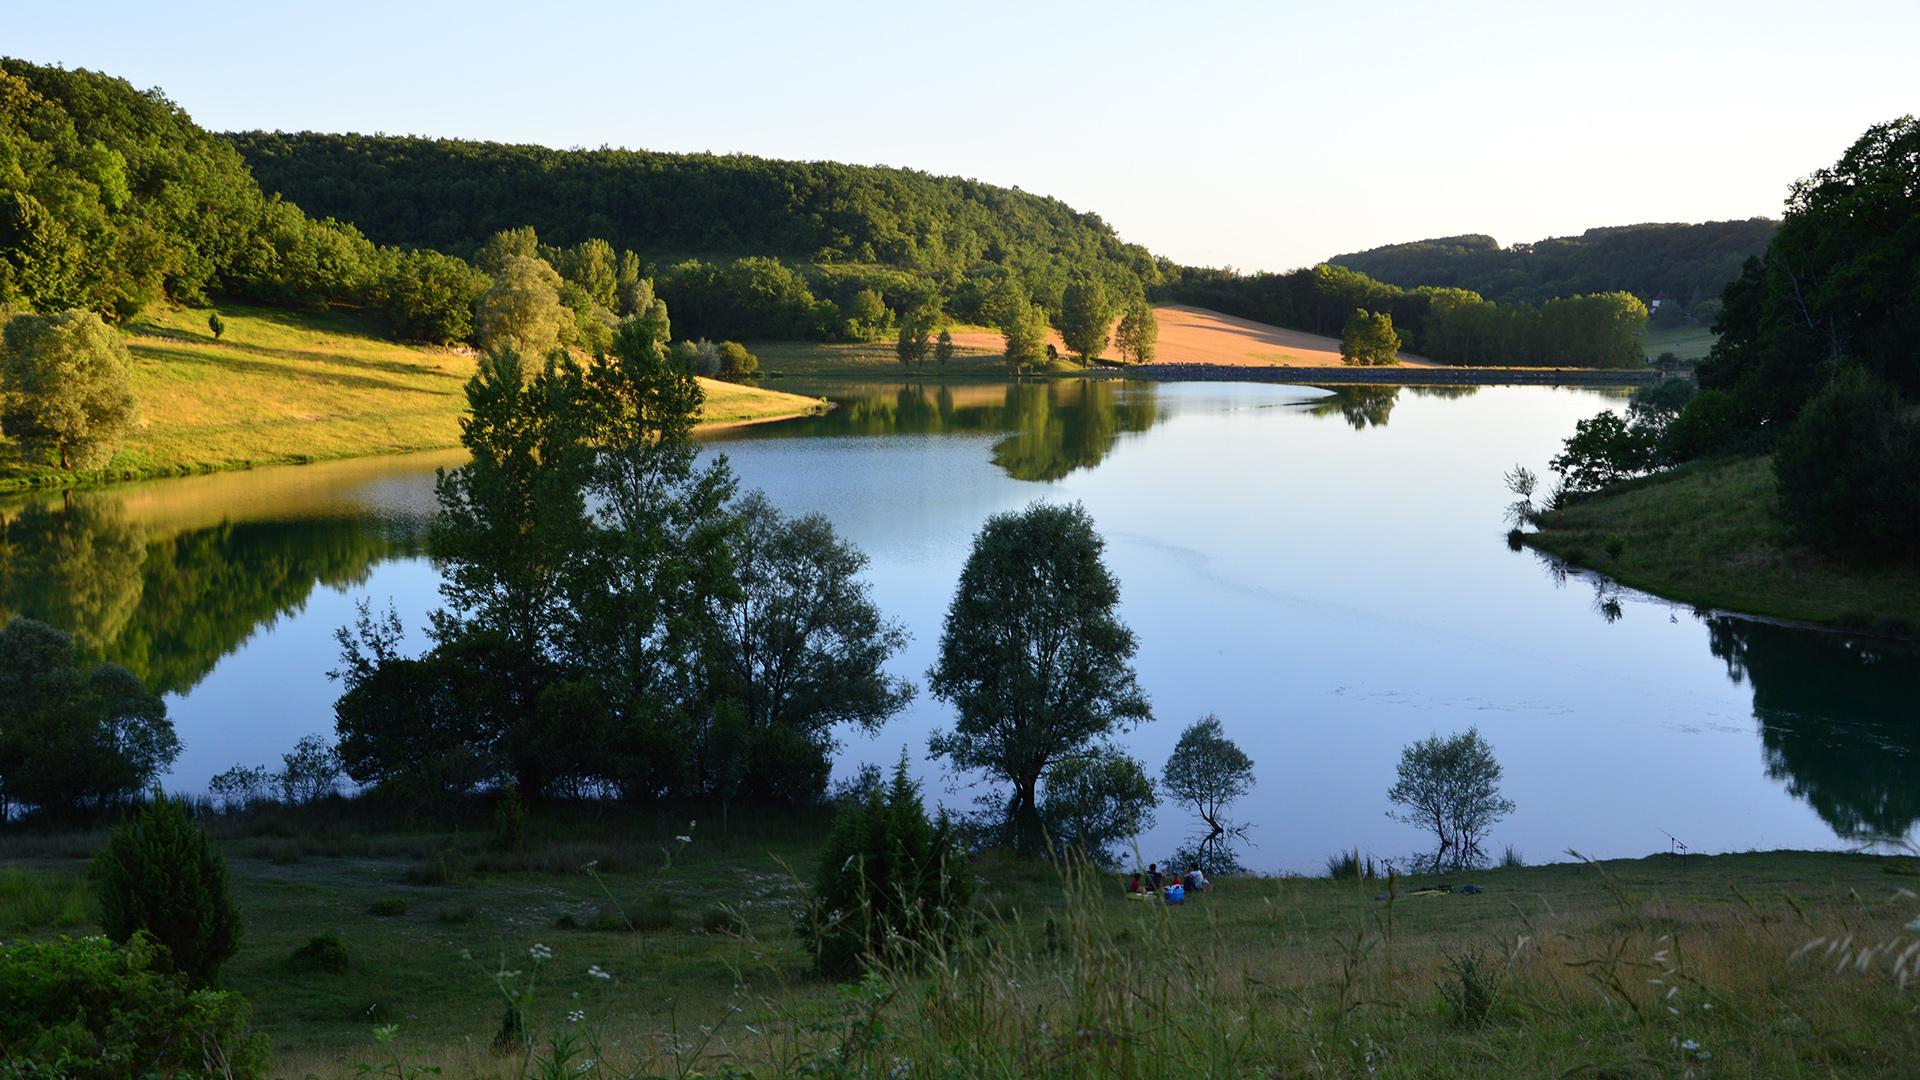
(322, 952)
(1712, 422)
(888, 877)
(1849, 469)
(88, 1008)
(388, 908)
(160, 874)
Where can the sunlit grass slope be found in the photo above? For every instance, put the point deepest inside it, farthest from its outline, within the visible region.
(1708, 535)
(284, 387)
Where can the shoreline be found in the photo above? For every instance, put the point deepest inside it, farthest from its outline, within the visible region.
(1392, 376)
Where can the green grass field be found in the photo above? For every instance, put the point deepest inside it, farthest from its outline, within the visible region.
(1707, 535)
(284, 387)
(1687, 342)
(1647, 967)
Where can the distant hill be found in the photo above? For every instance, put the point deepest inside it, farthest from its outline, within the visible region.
(451, 194)
(1683, 263)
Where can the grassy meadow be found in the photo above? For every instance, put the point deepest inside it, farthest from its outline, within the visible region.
(682, 957)
(1707, 534)
(1690, 341)
(283, 387)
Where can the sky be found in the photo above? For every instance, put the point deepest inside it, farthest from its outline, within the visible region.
(1263, 136)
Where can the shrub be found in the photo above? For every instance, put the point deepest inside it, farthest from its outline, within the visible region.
(388, 907)
(160, 874)
(88, 1008)
(322, 952)
(1849, 469)
(887, 877)
(1712, 422)
(1352, 866)
(310, 771)
(510, 822)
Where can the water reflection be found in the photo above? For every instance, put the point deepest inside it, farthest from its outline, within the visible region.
(1057, 426)
(1837, 720)
(1370, 406)
(169, 603)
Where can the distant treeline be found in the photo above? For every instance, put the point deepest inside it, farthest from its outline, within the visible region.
(1678, 264)
(846, 228)
(1449, 325)
(112, 198)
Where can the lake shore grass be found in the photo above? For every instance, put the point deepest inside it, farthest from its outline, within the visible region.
(1708, 535)
(1750, 963)
(283, 387)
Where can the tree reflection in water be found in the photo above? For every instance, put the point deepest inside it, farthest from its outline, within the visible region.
(169, 606)
(1837, 719)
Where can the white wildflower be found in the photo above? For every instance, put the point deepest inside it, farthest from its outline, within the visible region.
(684, 839)
(1689, 1046)
(540, 952)
(576, 1016)
(599, 972)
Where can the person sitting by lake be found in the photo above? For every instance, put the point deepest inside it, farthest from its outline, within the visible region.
(1134, 885)
(1153, 875)
(1196, 881)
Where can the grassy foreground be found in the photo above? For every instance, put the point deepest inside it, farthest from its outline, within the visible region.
(283, 387)
(1707, 535)
(1778, 964)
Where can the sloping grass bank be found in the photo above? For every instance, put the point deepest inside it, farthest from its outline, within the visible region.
(684, 957)
(283, 387)
(1708, 535)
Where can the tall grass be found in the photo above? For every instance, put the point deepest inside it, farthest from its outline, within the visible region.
(33, 900)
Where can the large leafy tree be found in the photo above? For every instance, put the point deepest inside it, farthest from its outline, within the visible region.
(803, 645)
(70, 736)
(1034, 657)
(1086, 319)
(66, 385)
(1369, 340)
(521, 311)
(1096, 802)
(1840, 281)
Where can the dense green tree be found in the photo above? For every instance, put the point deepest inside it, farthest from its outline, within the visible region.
(430, 297)
(1033, 656)
(1369, 339)
(66, 387)
(1095, 802)
(736, 364)
(1086, 319)
(1605, 449)
(159, 875)
(1837, 285)
(1208, 772)
(521, 311)
(1138, 335)
(1848, 470)
(1022, 325)
(217, 325)
(943, 346)
(657, 564)
(803, 644)
(502, 247)
(592, 266)
(398, 720)
(867, 315)
(71, 736)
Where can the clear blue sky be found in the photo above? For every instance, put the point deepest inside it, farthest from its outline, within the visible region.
(1262, 135)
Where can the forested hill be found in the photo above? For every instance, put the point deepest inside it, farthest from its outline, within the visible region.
(451, 195)
(1683, 263)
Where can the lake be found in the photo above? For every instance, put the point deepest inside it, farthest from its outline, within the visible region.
(1325, 571)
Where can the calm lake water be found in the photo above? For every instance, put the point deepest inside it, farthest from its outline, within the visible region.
(1326, 572)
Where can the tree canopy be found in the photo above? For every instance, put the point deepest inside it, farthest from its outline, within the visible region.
(1033, 656)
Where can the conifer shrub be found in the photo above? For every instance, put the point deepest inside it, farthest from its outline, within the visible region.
(889, 879)
(160, 874)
